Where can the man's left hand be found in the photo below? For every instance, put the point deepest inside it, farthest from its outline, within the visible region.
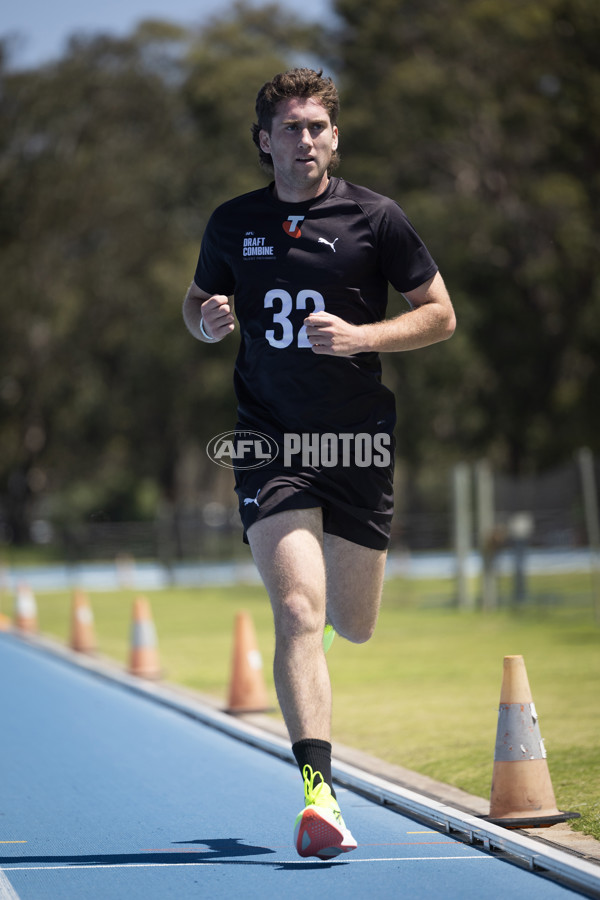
(332, 336)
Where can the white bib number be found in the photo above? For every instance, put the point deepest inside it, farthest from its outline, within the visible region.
(281, 317)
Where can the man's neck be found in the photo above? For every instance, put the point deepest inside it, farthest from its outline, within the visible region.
(287, 194)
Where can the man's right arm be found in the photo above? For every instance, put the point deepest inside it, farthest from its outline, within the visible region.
(208, 317)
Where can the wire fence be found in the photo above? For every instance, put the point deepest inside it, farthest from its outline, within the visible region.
(551, 510)
(556, 509)
(480, 539)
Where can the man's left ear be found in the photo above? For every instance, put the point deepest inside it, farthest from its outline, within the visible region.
(335, 138)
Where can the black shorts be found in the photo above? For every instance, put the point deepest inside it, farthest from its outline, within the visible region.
(357, 500)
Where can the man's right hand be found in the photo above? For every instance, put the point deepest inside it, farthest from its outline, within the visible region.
(217, 317)
(213, 311)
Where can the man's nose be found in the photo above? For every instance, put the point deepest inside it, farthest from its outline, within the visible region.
(305, 138)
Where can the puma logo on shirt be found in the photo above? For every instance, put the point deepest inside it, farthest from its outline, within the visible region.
(329, 243)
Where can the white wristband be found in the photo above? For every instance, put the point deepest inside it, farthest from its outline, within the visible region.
(207, 336)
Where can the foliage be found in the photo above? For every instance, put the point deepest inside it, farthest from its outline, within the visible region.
(484, 126)
(110, 163)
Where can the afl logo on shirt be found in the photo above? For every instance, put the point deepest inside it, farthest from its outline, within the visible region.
(291, 226)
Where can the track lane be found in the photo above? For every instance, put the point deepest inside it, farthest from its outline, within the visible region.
(117, 797)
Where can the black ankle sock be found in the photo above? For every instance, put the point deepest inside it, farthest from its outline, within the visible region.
(316, 754)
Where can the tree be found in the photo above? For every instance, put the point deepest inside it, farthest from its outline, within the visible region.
(484, 124)
(90, 196)
(110, 161)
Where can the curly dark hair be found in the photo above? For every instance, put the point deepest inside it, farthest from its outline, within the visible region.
(303, 83)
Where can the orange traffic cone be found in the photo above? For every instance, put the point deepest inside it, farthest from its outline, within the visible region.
(247, 689)
(26, 610)
(522, 794)
(143, 659)
(4, 619)
(83, 637)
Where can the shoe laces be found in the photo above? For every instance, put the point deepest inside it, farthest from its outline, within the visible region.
(318, 794)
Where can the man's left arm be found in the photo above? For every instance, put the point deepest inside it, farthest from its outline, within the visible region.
(430, 320)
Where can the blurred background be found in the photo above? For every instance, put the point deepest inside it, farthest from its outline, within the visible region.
(122, 128)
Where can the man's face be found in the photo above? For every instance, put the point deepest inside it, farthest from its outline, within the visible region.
(301, 143)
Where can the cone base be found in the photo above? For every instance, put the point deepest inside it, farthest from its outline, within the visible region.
(83, 644)
(90, 649)
(149, 674)
(26, 627)
(144, 666)
(533, 821)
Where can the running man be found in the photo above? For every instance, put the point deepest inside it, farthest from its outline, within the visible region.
(308, 260)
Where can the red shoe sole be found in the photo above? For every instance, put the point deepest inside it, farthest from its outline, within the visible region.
(315, 836)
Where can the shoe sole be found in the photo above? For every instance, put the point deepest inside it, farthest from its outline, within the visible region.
(315, 835)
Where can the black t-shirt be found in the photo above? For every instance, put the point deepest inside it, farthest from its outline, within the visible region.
(283, 260)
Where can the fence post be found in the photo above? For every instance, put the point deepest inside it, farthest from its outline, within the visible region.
(590, 506)
(461, 481)
(520, 529)
(486, 535)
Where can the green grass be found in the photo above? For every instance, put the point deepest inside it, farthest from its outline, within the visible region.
(424, 692)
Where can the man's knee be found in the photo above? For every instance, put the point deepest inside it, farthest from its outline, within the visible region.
(297, 615)
(353, 621)
(355, 632)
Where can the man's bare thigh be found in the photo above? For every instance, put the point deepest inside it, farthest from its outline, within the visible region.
(293, 555)
(354, 585)
(288, 551)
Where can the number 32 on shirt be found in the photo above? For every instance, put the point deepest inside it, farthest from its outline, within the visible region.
(283, 336)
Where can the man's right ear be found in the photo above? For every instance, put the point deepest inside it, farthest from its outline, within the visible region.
(264, 141)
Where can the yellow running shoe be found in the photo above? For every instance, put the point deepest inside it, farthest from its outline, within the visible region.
(319, 829)
(328, 636)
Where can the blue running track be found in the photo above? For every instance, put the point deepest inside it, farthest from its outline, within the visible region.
(107, 794)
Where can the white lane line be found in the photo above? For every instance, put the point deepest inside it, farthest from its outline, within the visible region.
(7, 891)
(270, 862)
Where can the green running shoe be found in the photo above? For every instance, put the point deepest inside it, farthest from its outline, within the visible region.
(319, 829)
(328, 636)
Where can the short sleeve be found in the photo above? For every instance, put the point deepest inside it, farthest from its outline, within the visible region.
(405, 260)
(213, 272)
